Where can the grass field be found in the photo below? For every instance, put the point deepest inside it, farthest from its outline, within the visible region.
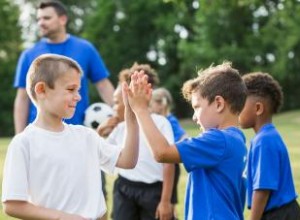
(287, 123)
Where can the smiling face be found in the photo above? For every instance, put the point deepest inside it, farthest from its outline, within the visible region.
(60, 102)
(205, 113)
(50, 23)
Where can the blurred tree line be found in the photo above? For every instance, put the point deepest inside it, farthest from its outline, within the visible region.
(177, 37)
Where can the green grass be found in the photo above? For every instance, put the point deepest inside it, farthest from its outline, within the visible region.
(287, 123)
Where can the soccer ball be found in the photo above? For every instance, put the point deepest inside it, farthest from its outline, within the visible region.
(96, 113)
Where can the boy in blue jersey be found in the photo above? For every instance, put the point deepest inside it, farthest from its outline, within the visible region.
(271, 191)
(214, 160)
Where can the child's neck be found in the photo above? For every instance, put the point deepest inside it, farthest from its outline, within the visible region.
(228, 120)
(49, 124)
(260, 122)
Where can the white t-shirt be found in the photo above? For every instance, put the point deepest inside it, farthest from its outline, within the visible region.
(147, 169)
(59, 170)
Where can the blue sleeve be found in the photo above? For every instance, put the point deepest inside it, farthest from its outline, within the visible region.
(265, 164)
(176, 127)
(21, 71)
(97, 69)
(204, 151)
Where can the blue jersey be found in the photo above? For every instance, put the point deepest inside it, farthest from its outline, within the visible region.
(215, 162)
(177, 129)
(76, 48)
(269, 168)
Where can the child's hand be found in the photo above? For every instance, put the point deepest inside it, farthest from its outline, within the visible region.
(139, 92)
(164, 211)
(106, 127)
(128, 110)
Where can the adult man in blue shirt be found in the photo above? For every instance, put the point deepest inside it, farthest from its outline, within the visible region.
(52, 19)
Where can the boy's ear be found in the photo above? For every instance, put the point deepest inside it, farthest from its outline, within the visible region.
(220, 103)
(259, 108)
(40, 88)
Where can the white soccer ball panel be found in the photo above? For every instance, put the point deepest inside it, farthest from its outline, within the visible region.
(96, 113)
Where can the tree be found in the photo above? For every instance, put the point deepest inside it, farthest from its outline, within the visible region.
(280, 46)
(180, 37)
(141, 31)
(77, 11)
(254, 35)
(10, 46)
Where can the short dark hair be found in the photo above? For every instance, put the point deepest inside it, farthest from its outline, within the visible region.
(58, 6)
(265, 86)
(221, 80)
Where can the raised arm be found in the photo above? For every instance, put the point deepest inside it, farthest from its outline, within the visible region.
(139, 97)
(129, 154)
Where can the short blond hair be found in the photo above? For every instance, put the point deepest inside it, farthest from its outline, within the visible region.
(48, 68)
(221, 80)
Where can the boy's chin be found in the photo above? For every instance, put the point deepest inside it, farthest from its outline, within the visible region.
(68, 116)
(244, 126)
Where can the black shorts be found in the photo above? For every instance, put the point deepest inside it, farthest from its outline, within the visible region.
(135, 200)
(289, 211)
(103, 179)
(174, 198)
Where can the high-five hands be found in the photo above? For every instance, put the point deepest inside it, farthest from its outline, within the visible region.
(139, 91)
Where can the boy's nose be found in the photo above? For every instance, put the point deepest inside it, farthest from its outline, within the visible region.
(194, 118)
(77, 97)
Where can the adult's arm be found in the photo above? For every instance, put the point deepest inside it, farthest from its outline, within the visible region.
(130, 151)
(21, 110)
(105, 90)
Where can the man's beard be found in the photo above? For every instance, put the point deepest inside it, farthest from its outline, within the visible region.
(48, 34)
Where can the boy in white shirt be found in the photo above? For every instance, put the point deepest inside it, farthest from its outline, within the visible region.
(52, 168)
(145, 192)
